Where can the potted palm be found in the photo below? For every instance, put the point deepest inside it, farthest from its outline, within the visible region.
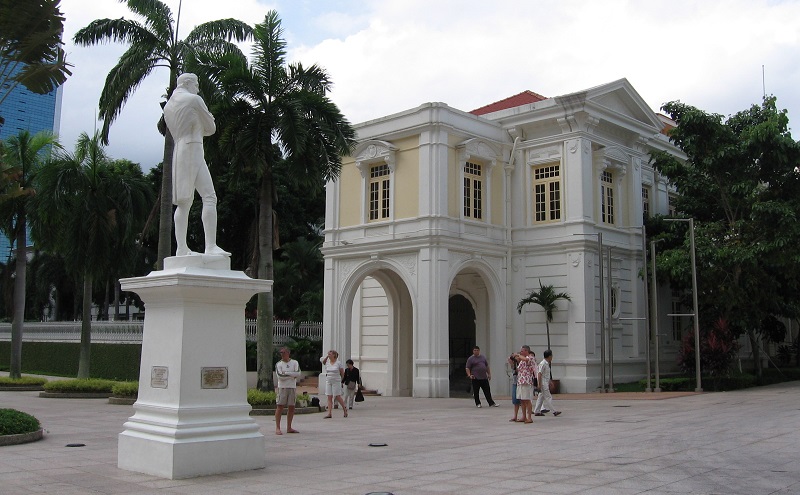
(546, 297)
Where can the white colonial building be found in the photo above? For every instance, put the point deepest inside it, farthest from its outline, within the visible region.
(442, 220)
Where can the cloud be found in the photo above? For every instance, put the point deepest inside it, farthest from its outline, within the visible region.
(391, 55)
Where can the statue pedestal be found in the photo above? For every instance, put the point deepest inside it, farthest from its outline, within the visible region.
(192, 417)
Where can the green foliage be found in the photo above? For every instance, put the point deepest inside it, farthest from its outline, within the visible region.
(80, 385)
(546, 297)
(740, 183)
(305, 351)
(31, 50)
(109, 361)
(258, 397)
(23, 381)
(13, 422)
(275, 122)
(125, 389)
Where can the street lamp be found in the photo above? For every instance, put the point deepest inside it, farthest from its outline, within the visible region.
(602, 309)
(654, 322)
(696, 314)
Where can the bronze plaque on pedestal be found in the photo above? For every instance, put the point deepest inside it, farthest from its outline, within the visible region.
(214, 377)
(159, 376)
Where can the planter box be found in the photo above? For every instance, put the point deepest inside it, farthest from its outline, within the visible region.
(21, 438)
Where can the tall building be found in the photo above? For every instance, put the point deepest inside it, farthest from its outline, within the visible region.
(25, 110)
(442, 220)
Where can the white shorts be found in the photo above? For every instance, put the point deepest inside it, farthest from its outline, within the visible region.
(333, 388)
(525, 392)
(286, 397)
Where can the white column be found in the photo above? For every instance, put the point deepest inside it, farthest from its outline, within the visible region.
(431, 339)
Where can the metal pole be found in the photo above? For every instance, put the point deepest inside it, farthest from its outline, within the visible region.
(646, 308)
(610, 328)
(699, 387)
(602, 312)
(654, 315)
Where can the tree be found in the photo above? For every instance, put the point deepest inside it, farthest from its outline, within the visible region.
(740, 183)
(88, 212)
(30, 46)
(154, 42)
(273, 114)
(25, 154)
(546, 297)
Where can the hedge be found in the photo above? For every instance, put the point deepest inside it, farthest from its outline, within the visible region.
(24, 381)
(13, 422)
(109, 361)
(80, 385)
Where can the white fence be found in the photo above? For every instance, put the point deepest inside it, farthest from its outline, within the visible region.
(130, 332)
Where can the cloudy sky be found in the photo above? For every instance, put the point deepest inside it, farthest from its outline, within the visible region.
(386, 56)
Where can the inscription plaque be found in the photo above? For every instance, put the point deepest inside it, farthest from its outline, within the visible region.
(159, 376)
(214, 377)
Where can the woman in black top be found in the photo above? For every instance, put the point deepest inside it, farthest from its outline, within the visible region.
(350, 380)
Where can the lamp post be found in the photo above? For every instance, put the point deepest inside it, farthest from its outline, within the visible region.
(696, 315)
(602, 309)
(654, 316)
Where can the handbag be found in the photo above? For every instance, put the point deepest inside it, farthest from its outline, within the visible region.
(359, 396)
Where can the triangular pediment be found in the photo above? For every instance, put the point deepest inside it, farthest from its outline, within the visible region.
(620, 98)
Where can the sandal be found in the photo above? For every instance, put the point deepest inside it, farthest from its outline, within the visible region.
(327, 417)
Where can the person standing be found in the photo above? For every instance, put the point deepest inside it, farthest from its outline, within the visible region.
(516, 402)
(351, 380)
(478, 371)
(544, 384)
(288, 370)
(526, 366)
(334, 372)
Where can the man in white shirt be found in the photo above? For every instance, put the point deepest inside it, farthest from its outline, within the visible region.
(288, 370)
(544, 384)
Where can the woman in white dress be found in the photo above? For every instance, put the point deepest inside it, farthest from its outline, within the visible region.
(334, 371)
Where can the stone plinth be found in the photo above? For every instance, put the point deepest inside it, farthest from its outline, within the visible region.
(191, 416)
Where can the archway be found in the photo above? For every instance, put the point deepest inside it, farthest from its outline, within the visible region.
(461, 339)
(378, 328)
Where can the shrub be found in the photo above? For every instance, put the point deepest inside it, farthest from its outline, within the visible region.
(80, 385)
(23, 381)
(125, 389)
(718, 348)
(13, 422)
(258, 398)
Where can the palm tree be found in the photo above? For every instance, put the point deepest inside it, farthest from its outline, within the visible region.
(276, 114)
(30, 47)
(87, 212)
(546, 297)
(25, 154)
(154, 43)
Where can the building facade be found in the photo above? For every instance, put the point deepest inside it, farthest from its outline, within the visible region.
(24, 110)
(442, 220)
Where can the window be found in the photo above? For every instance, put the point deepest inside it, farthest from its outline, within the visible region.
(677, 321)
(473, 191)
(379, 192)
(547, 193)
(607, 197)
(614, 302)
(646, 201)
(672, 208)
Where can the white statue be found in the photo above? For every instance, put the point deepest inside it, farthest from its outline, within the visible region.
(188, 120)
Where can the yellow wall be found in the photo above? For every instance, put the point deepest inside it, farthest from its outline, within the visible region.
(349, 192)
(406, 185)
(497, 194)
(406, 175)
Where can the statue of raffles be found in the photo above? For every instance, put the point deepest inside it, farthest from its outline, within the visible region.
(188, 120)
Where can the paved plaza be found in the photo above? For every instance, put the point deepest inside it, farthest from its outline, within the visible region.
(743, 442)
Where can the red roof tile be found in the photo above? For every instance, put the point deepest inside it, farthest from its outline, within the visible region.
(517, 100)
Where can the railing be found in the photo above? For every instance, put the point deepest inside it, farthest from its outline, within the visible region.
(130, 332)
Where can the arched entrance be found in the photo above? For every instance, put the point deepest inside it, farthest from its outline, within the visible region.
(461, 339)
(378, 317)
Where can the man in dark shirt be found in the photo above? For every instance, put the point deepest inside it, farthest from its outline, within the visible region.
(478, 371)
